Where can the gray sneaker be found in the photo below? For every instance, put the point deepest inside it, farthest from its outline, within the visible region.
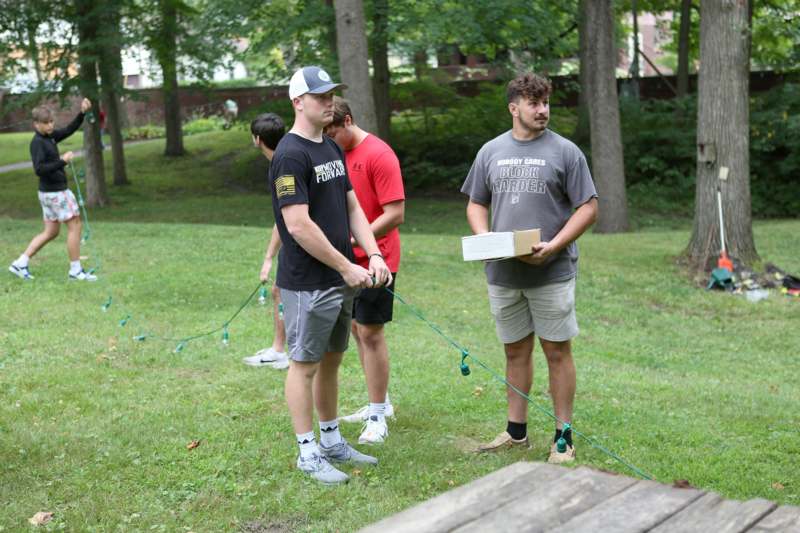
(344, 453)
(320, 469)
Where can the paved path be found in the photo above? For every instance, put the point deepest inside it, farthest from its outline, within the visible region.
(78, 153)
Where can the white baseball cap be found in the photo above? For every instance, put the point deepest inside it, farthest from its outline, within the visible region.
(311, 80)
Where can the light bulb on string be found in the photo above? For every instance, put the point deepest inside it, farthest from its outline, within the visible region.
(106, 305)
(262, 296)
(225, 336)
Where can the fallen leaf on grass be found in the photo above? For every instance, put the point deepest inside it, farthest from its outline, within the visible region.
(192, 445)
(41, 518)
(451, 483)
(478, 391)
(356, 472)
(777, 486)
(682, 484)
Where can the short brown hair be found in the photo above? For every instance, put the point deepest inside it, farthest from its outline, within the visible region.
(42, 114)
(341, 109)
(529, 86)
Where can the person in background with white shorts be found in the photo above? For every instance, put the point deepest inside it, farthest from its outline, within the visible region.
(58, 203)
(531, 177)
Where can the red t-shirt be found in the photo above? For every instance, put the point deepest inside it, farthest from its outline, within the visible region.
(375, 175)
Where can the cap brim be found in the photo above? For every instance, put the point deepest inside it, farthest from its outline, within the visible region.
(327, 88)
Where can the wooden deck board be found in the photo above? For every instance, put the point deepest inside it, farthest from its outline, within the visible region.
(547, 506)
(714, 513)
(784, 519)
(533, 497)
(463, 504)
(642, 506)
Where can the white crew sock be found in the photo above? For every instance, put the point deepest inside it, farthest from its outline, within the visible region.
(75, 267)
(377, 410)
(308, 444)
(22, 261)
(329, 433)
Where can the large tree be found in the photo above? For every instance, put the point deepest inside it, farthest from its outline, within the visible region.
(165, 45)
(351, 40)
(88, 20)
(110, 66)
(379, 49)
(723, 144)
(607, 163)
(683, 47)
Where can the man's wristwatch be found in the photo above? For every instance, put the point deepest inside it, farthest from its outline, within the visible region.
(376, 254)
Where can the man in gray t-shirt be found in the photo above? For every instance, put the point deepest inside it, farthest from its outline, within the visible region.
(531, 177)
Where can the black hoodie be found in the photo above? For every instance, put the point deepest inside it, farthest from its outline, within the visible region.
(47, 162)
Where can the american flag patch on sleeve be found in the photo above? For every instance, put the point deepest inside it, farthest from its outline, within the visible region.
(284, 186)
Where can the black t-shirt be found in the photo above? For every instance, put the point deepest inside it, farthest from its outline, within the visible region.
(47, 162)
(308, 172)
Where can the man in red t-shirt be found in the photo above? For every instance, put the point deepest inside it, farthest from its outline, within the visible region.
(375, 175)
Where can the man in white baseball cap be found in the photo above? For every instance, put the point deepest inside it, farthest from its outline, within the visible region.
(316, 211)
(311, 80)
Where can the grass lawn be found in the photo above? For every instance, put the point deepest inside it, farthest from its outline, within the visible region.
(94, 426)
(16, 146)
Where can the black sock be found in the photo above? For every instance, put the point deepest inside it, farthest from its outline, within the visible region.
(518, 431)
(566, 434)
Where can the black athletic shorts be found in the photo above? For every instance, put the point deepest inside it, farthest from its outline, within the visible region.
(374, 306)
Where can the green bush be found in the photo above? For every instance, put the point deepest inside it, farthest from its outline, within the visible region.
(774, 154)
(659, 140)
(148, 131)
(437, 148)
(203, 124)
(438, 134)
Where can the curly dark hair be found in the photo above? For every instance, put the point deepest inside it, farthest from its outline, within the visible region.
(529, 86)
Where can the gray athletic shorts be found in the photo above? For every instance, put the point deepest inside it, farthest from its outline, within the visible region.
(317, 322)
(548, 311)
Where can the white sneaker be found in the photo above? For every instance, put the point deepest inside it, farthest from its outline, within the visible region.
(281, 363)
(265, 357)
(362, 414)
(20, 272)
(82, 276)
(374, 432)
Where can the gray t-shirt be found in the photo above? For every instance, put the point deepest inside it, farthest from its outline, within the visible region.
(531, 184)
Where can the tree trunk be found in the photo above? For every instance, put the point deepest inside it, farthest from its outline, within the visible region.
(634, 70)
(723, 121)
(380, 65)
(111, 84)
(87, 18)
(683, 47)
(582, 134)
(351, 42)
(167, 59)
(607, 163)
(330, 32)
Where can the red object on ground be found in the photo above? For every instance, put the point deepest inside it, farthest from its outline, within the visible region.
(724, 261)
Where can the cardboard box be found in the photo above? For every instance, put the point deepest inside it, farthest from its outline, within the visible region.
(499, 245)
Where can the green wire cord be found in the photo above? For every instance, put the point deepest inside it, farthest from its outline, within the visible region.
(465, 371)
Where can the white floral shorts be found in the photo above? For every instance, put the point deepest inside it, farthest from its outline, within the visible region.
(59, 206)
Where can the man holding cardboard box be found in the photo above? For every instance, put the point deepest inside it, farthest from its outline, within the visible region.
(532, 178)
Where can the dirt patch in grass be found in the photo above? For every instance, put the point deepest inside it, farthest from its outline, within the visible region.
(273, 525)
